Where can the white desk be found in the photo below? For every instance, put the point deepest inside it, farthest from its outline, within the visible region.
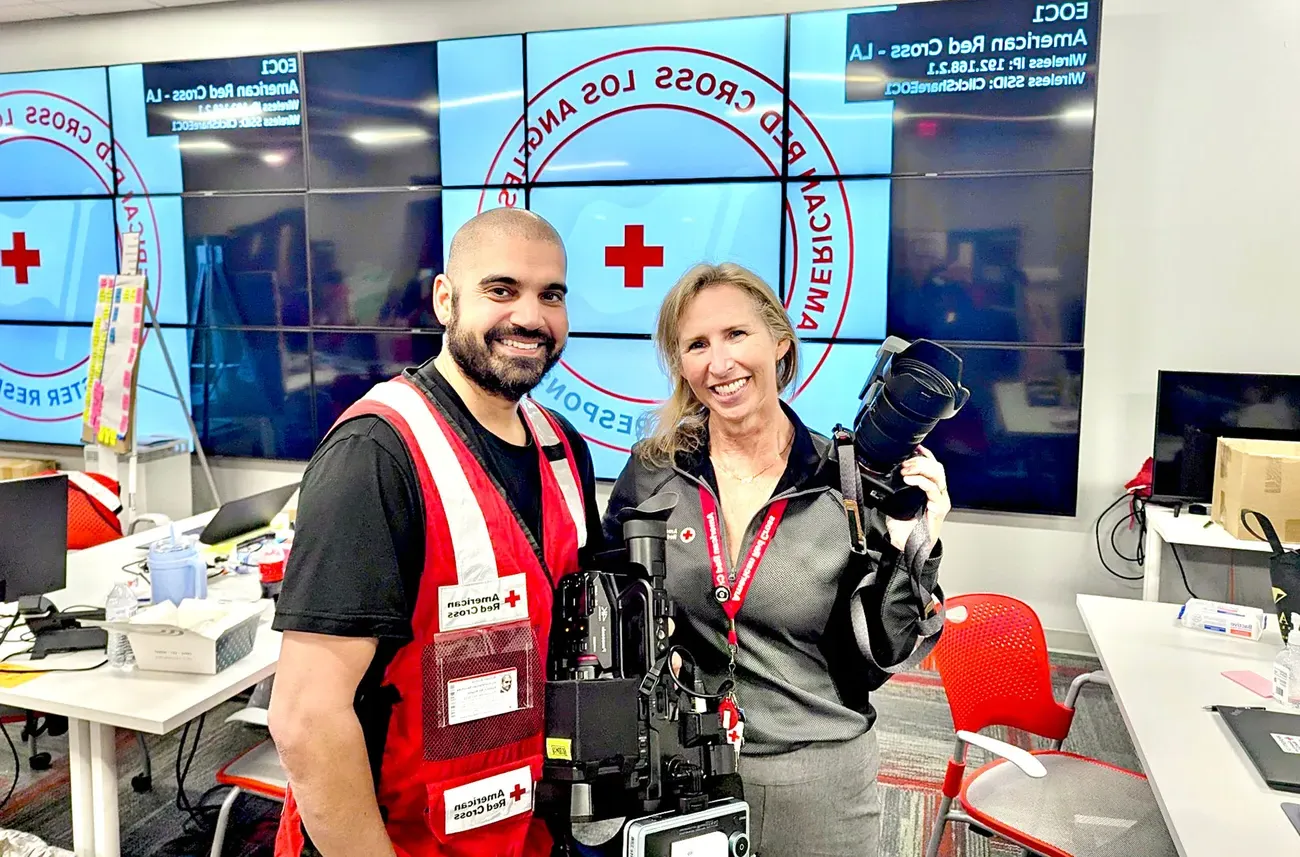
(1212, 799)
(1163, 527)
(98, 702)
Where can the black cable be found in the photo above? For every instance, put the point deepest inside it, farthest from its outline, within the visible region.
(1174, 549)
(17, 766)
(712, 697)
(182, 799)
(13, 621)
(42, 670)
(1114, 546)
(1097, 533)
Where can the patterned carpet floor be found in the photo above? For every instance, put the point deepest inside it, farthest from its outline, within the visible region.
(915, 738)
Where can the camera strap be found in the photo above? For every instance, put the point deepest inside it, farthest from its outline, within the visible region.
(850, 488)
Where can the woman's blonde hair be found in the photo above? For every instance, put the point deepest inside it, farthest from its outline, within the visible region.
(678, 424)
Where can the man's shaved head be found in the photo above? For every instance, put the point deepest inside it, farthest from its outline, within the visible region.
(502, 301)
(487, 227)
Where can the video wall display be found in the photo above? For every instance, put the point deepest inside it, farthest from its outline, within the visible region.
(921, 170)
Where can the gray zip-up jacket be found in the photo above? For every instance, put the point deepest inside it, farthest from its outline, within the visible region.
(806, 662)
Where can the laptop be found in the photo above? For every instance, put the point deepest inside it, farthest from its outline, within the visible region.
(1272, 741)
(244, 515)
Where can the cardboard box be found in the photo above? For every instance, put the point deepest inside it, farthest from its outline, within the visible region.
(1262, 475)
(21, 468)
(204, 648)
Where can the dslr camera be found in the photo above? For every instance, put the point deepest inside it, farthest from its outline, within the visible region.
(911, 387)
(632, 749)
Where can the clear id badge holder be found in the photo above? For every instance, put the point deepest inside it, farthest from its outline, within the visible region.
(482, 689)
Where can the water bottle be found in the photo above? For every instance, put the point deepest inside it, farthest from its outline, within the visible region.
(1286, 671)
(121, 607)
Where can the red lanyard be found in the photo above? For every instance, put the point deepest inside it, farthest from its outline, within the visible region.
(732, 599)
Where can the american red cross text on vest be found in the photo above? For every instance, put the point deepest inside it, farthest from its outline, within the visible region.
(512, 599)
(634, 256)
(20, 258)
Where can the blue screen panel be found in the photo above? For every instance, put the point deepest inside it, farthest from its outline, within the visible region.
(147, 164)
(967, 87)
(372, 116)
(54, 134)
(859, 134)
(481, 109)
(830, 378)
(159, 221)
(605, 387)
(209, 125)
(374, 257)
(990, 259)
(1014, 447)
(42, 382)
(691, 100)
(52, 253)
(247, 256)
(255, 394)
(459, 206)
(627, 246)
(158, 412)
(837, 257)
(346, 365)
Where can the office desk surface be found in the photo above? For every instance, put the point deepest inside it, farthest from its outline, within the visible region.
(153, 702)
(1162, 676)
(1198, 530)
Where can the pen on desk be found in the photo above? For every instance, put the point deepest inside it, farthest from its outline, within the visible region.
(1206, 525)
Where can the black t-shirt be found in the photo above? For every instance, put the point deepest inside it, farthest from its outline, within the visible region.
(358, 550)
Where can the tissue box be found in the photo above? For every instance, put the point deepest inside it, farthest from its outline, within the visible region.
(199, 637)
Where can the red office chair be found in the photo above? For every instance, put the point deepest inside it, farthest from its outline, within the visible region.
(993, 660)
(256, 771)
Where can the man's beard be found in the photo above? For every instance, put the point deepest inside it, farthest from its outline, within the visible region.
(511, 378)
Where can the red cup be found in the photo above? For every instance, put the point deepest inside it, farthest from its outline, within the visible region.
(270, 564)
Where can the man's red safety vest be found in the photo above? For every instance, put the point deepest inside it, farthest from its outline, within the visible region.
(464, 743)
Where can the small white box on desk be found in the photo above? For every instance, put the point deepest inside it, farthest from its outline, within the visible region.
(201, 637)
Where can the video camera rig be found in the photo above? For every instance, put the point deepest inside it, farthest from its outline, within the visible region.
(631, 747)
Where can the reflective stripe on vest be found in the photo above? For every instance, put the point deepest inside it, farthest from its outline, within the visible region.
(564, 475)
(475, 559)
(96, 491)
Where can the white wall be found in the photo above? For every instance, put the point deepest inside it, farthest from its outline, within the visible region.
(1194, 217)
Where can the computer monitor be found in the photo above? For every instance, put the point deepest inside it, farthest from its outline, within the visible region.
(1195, 409)
(33, 538)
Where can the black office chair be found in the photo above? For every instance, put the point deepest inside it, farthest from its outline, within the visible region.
(55, 725)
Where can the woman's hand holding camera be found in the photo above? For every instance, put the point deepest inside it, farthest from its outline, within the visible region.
(925, 472)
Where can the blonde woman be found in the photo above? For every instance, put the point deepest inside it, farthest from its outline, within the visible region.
(759, 538)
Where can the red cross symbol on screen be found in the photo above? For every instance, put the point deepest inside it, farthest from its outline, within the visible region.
(512, 599)
(634, 256)
(518, 793)
(20, 258)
